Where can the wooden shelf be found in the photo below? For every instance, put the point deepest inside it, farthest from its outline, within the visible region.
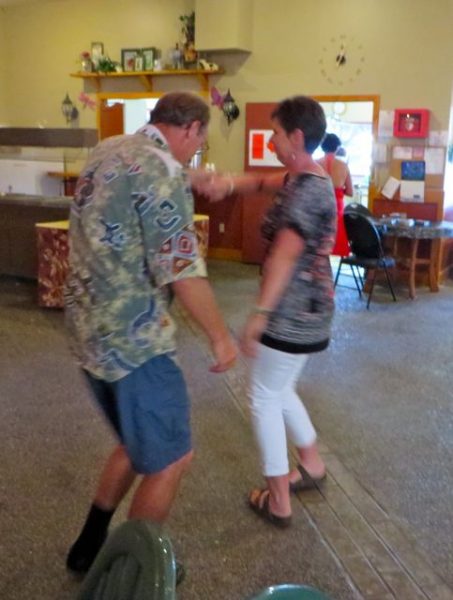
(146, 77)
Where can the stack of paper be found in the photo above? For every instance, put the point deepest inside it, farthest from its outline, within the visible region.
(412, 191)
(390, 188)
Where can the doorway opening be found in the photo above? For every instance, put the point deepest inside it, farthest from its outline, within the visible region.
(136, 111)
(127, 112)
(354, 120)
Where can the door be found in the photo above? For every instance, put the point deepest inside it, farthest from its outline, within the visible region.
(110, 119)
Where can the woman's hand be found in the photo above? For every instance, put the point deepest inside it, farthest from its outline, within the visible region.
(252, 332)
(216, 187)
(198, 177)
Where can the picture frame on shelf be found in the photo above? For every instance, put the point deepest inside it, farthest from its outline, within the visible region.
(128, 59)
(149, 54)
(139, 61)
(97, 51)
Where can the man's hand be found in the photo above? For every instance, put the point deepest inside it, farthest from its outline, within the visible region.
(216, 187)
(196, 296)
(198, 177)
(225, 351)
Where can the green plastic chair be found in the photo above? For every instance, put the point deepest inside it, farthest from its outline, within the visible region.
(288, 591)
(135, 563)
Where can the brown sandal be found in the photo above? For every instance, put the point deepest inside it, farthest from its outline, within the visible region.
(306, 481)
(260, 505)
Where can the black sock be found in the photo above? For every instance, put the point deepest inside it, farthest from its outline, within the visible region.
(85, 548)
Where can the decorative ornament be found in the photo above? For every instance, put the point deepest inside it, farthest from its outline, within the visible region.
(226, 103)
(86, 101)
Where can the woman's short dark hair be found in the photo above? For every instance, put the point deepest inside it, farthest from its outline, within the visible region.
(304, 113)
(179, 109)
(331, 143)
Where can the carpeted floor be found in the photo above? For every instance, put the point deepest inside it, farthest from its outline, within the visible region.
(380, 397)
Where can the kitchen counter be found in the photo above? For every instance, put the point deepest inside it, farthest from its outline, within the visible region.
(31, 200)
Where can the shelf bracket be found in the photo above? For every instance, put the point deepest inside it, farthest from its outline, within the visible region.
(147, 82)
(204, 81)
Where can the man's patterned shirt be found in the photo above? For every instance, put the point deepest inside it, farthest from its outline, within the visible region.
(131, 233)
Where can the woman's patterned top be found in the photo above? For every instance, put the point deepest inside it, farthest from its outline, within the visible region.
(302, 319)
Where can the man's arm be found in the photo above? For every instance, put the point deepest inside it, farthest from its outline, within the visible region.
(196, 296)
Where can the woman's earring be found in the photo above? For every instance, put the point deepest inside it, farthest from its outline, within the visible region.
(293, 156)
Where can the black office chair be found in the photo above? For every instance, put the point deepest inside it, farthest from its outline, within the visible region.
(357, 208)
(366, 252)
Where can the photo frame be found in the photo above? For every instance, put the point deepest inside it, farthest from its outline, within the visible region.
(128, 57)
(413, 170)
(139, 61)
(411, 123)
(149, 54)
(97, 50)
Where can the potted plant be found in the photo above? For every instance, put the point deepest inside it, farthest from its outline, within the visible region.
(188, 38)
(86, 62)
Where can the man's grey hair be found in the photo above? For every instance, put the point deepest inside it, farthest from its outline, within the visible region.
(180, 109)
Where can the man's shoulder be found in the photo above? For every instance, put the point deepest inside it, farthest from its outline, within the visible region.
(133, 150)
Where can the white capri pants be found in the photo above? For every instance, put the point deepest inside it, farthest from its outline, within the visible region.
(277, 409)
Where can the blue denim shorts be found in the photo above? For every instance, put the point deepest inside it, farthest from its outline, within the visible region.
(150, 411)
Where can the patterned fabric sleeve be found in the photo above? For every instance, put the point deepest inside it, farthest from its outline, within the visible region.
(166, 214)
(307, 213)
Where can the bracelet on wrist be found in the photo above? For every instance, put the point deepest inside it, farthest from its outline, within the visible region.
(258, 310)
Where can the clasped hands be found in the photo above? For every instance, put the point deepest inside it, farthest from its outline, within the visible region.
(215, 186)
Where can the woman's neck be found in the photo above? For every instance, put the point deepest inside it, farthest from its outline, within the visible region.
(304, 164)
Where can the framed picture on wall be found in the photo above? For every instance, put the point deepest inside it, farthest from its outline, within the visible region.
(128, 56)
(148, 58)
(411, 123)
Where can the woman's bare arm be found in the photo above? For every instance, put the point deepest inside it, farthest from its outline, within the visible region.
(219, 186)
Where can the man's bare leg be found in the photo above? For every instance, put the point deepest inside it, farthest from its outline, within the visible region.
(154, 496)
(152, 500)
(115, 481)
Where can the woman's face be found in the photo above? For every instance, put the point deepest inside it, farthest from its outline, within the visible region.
(282, 142)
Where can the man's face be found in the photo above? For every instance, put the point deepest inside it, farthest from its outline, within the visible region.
(193, 139)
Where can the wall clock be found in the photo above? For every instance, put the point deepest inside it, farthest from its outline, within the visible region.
(339, 109)
(342, 59)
